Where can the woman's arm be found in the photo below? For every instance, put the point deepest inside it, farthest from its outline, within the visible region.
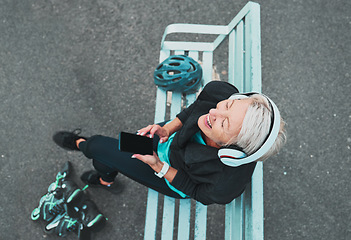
(173, 126)
(206, 193)
(171, 173)
(163, 132)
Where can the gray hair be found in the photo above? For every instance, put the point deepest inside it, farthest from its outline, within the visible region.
(256, 127)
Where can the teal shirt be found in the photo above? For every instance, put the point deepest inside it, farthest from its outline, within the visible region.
(163, 154)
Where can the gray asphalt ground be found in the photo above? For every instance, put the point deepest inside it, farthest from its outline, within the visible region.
(89, 64)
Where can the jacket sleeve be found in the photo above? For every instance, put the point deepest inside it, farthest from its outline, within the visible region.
(214, 91)
(222, 192)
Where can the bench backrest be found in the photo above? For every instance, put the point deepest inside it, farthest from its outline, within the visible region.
(244, 216)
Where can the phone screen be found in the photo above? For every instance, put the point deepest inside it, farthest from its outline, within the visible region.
(129, 142)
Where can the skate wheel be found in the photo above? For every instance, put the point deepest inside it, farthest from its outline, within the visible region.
(35, 214)
(49, 231)
(52, 187)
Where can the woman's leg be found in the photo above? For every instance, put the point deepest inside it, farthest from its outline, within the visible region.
(104, 151)
(107, 174)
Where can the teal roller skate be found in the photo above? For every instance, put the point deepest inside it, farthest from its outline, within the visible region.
(67, 209)
(90, 216)
(63, 225)
(60, 192)
(82, 218)
(51, 203)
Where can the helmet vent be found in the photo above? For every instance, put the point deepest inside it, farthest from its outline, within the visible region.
(192, 82)
(172, 72)
(176, 64)
(192, 69)
(160, 76)
(177, 58)
(176, 79)
(159, 67)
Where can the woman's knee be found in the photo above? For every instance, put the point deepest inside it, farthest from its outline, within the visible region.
(92, 146)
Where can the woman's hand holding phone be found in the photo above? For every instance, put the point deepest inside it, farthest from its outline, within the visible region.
(162, 132)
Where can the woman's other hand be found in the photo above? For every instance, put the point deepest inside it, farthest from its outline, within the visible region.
(152, 160)
(162, 132)
(155, 163)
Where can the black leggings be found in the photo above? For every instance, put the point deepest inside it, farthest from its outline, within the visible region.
(109, 161)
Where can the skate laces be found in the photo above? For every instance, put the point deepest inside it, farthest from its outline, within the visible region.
(71, 223)
(66, 224)
(57, 207)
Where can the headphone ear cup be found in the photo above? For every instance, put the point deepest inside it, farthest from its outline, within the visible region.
(230, 155)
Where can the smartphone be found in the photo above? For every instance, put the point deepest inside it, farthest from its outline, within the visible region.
(133, 143)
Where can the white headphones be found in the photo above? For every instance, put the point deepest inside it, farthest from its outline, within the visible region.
(233, 157)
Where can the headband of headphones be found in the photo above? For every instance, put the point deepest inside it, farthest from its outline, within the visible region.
(233, 157)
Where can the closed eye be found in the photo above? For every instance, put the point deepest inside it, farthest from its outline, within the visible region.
(227, 107)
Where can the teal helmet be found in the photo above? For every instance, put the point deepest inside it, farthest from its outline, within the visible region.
(178, 73)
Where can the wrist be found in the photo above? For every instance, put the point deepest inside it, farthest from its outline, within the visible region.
(158, 166)
(163, 171)
(167, 130)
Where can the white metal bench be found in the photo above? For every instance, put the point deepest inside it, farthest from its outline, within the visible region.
(244, 215)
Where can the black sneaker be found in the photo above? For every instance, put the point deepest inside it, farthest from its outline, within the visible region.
(67, 140)
(92, 178)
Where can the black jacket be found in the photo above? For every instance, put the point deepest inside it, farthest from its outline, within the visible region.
(201, 175)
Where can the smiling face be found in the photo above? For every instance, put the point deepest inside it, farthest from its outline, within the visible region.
(224, 122)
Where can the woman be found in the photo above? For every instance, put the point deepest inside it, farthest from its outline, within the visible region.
(189, 145)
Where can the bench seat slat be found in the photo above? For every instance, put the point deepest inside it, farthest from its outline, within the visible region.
(184, 219)
(151, 215)
(234, 220)
(168, 218)
(200, 221)
(176, 104)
